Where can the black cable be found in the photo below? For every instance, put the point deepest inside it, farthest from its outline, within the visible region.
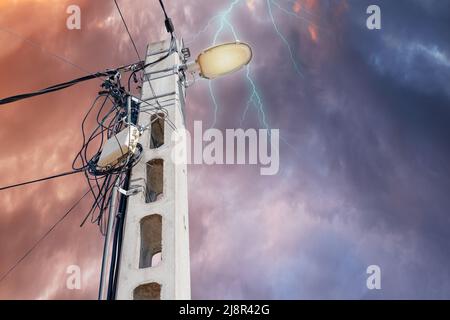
(117, 242)
(167, 22)
(56, 87)
(132, 41)
(114, 259)
(41, 179)
(128, 31)
(109, 122)
(100, 178)
(120, 217)
(170, 28)
(144, 66)
(43, 237)
(67, 84)
(163, 9)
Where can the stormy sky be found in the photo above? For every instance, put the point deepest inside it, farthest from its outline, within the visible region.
(364, 152)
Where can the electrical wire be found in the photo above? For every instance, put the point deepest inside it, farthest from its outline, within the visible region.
(120, 217)
(28, 252)
(109, 110)
(67, 84)
(128, 31)
(168, 22)
(109, 118)
(54, 88)
(39, 46)
(108, 125)
(41, 179)
(169, 28)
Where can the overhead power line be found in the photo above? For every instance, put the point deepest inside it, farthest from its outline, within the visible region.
(39, 46)
(56, 87)
(128, 31)
(27, 253)
(67, 84)
(168, 22)
(109, 115)
(40, 180)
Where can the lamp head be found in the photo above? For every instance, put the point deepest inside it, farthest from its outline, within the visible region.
(223, 59)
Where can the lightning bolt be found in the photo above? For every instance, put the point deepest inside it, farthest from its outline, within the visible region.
(293, 13)
(224, 24)
(282, 37)
(223, 21)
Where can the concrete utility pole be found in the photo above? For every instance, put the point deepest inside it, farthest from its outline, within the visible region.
(154, 261)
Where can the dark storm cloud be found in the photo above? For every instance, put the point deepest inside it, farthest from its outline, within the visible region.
(364, 158)
(370, 161)
(386, 147)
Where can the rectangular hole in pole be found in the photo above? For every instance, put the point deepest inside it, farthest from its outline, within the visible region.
(155, 180)
(151, 241)
(148, 291)
(157, 130)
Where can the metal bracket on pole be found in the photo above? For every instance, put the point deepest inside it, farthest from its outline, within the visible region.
(134, 190)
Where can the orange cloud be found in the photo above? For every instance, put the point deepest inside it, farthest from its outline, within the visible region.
(342, 7)
(297, 7)
(251, 5)
(313, 32)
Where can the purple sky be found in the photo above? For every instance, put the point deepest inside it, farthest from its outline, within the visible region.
(363, 117)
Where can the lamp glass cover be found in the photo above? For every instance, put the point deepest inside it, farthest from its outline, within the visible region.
(224, 59)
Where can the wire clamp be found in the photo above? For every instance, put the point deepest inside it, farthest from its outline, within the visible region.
(134, 190)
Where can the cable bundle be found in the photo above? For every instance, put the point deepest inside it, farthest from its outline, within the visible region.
(109, 109)
(109, 117)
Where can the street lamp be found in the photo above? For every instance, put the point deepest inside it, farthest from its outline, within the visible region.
(221, 60)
